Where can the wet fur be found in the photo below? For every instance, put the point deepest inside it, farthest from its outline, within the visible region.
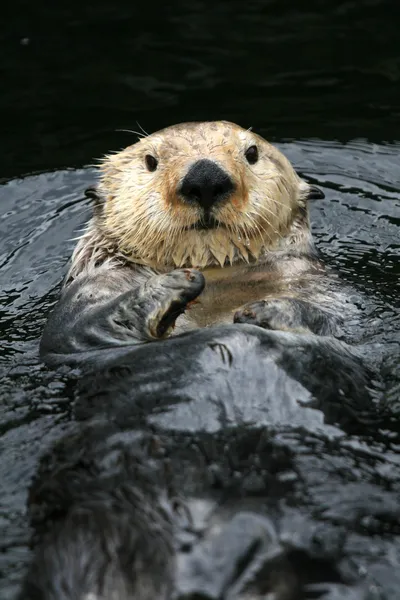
(261, 250)
(140, 219)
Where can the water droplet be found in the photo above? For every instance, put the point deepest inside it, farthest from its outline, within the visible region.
(239, 238)
(247, 242)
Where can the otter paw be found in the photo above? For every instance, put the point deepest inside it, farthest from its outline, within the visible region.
(285, 314)
(169, 295)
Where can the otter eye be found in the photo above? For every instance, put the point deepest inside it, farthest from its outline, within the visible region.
(151, 162)
(251, 155)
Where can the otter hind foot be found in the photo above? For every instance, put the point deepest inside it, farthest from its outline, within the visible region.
(287, 314)
(165, 297)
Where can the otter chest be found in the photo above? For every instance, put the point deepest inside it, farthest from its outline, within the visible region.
(229, 288)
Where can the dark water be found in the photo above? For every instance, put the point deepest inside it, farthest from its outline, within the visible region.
(322, 82)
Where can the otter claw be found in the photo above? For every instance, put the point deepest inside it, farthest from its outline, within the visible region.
(190, 275)
(192, 303)
(245, 316)
(286, 314)
(178, 280)
(269, 314)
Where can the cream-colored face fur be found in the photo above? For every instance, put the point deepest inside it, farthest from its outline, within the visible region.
(148, 220)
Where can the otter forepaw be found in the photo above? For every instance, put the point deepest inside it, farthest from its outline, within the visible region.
(285, 314)
(169, 295)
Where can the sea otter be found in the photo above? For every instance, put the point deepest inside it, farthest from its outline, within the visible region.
(206, 196)
(217, 463)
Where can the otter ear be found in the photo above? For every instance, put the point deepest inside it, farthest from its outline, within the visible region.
(98, 200)
(92, 192)
(310, 192)
(314, 193)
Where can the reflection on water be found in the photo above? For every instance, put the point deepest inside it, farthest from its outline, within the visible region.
(74, 75)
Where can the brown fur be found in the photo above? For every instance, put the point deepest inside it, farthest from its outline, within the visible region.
(142, 220)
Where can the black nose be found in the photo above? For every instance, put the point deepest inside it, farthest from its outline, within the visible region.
(206, 183)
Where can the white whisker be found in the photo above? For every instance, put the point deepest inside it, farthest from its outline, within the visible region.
(141, 128)
(138, 133)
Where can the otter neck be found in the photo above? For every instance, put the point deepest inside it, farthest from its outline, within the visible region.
(219, 251)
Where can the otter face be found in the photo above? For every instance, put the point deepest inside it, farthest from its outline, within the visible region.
(199, 194)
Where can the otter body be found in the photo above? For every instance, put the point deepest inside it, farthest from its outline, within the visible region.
(217, 463)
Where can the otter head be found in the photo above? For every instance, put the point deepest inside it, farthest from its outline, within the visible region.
(200, 194)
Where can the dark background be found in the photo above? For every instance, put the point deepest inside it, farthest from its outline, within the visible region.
(75, 72)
